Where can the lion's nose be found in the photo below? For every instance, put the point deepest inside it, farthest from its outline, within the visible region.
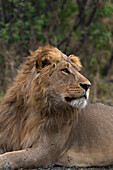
(85, 85)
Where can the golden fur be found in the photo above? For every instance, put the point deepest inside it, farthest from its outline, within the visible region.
(43, 119)
(25, 104)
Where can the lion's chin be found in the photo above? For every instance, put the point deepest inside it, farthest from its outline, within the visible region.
(79, 103)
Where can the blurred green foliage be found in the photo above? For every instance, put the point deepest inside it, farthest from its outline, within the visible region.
(22, 20)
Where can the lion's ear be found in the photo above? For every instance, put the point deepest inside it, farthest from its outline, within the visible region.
(75, 60)
(42, 62)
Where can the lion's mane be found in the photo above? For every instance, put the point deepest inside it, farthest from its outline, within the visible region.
(26, 114)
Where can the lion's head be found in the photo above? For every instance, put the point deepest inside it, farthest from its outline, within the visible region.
(60, 79)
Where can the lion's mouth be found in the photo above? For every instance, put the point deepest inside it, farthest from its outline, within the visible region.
(70, 99)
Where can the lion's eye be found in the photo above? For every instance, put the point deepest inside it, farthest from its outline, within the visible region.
(66, 70)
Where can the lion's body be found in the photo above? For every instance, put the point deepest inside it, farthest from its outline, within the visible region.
(92, 143)
(43, 119)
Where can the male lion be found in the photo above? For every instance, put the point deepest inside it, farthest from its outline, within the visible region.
(43, 118)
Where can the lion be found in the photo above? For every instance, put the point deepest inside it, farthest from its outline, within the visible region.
(45, 117)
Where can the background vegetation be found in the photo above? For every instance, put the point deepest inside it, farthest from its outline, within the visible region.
(82, 27)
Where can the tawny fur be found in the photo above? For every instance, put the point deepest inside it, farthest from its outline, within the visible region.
(25, 110)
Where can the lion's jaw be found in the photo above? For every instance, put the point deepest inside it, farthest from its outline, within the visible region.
(79, 102)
